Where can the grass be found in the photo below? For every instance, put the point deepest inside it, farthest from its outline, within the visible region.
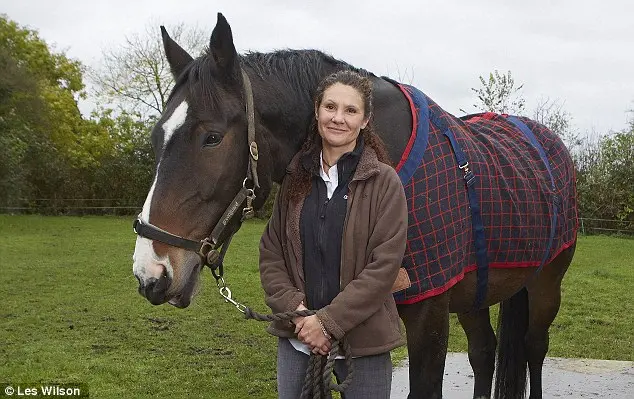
(70, 312)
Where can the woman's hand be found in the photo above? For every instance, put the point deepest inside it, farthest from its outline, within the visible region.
(297, 319)
(310, 332)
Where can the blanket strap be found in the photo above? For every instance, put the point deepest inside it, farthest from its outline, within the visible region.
(556, 200)
(479, 239)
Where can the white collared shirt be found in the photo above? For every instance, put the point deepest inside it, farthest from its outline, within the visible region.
(331, 178)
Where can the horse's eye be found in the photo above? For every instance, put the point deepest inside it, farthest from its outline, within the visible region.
(213, 140)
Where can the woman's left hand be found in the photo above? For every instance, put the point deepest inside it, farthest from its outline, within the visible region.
(310, 333)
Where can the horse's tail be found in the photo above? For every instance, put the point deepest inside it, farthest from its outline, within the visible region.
(512, 361)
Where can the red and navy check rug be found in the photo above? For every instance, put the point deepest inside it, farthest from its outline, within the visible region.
(513, 186)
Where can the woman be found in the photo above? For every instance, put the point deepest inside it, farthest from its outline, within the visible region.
(334, 244)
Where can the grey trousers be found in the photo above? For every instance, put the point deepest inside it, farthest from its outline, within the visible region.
(372, 374)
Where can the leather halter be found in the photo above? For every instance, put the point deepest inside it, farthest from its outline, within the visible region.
(207, 248)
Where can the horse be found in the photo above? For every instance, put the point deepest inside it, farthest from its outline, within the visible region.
(233, 122)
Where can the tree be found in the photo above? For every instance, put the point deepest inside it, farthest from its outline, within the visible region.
(499, 94)
(605, 179)
(20, 109)
(552, 114)
(128, 153)
(136, 76)
(54, 69)
(39, 119)
(617, 153)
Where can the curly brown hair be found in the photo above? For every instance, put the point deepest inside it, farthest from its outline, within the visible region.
(301, 179)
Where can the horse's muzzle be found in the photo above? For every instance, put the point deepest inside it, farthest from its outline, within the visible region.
(155, 289)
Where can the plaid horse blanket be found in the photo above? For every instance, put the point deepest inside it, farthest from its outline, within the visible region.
(513, 184)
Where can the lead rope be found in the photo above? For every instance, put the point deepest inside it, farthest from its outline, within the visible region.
(318, 382)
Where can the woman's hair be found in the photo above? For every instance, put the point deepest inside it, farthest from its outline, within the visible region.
(301, 178)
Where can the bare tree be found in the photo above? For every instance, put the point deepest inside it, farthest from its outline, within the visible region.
(551, 113)
(404, 76)
(135, 75)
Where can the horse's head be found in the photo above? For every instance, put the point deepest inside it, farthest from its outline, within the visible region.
(202, 156)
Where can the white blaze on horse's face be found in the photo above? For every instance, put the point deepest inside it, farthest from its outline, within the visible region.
(175, 121)
(146, 263)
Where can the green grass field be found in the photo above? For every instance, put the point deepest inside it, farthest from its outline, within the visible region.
(70, 313)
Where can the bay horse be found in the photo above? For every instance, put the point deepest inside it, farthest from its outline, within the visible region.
(233, 122)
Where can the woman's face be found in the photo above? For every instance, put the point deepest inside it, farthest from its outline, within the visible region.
(340, 117)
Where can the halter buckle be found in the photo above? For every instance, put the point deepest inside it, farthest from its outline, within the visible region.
(206, 247)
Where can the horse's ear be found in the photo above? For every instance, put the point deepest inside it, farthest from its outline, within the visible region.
(221, 47)
(176, 56)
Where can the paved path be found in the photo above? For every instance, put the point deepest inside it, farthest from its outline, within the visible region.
(563, 378)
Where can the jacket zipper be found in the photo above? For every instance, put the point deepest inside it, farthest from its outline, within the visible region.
(322, 221)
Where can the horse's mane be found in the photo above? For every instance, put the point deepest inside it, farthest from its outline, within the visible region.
(297, 71)
(301, 67)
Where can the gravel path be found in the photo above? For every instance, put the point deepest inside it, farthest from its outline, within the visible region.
(563, 378)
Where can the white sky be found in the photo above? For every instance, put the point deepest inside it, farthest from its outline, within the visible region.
(579, 52)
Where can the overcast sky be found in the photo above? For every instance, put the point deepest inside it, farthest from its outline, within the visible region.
(579, 52)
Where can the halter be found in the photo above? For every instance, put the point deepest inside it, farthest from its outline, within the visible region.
(207, 248)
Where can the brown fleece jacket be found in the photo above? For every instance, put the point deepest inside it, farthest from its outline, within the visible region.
(373, 245)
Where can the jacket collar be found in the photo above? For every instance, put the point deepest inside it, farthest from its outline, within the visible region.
(367, 166)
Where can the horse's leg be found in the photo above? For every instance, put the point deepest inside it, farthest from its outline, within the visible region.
(544, 298)
(427, 327)
(504, 284)
(482, 342)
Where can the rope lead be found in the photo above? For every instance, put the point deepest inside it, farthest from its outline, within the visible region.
(318, 382)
